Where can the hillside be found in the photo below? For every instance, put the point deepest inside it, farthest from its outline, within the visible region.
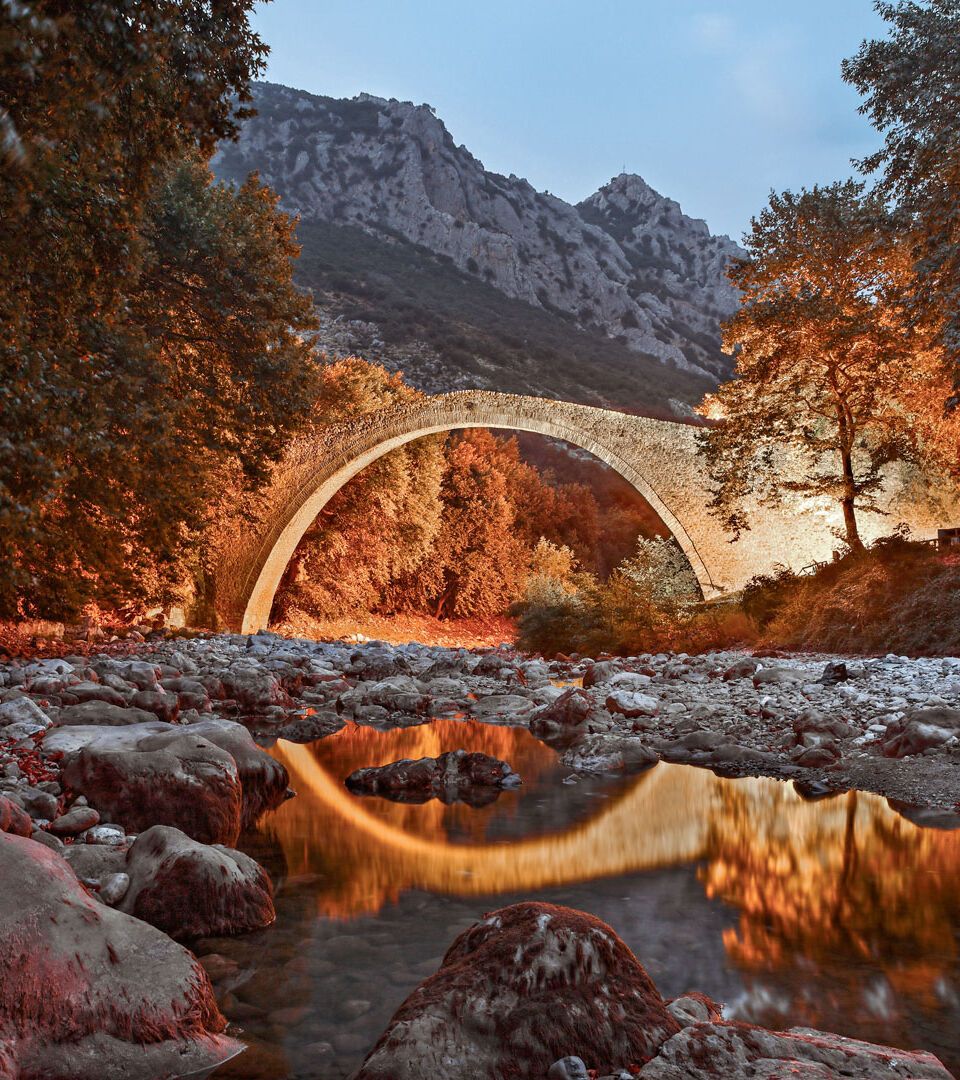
(421, 258)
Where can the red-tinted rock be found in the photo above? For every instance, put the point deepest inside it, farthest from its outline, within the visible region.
(195, 890)
(734, 1051)
(457, 776)
(920, 730)
(163, 706)
(14, 819)
(89, 993)
(168, 778)
(528, 985)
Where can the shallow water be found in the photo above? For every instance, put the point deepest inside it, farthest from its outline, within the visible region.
(837, 913)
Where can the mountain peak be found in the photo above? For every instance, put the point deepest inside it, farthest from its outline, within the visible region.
(625, 263)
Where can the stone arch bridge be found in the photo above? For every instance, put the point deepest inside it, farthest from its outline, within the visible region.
(658, 457)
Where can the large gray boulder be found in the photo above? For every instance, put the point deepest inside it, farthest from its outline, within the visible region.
(167, 777)
(519, 990)
(737, 1051)
(103, 714)
(919, 730)
(192, 890)
(89, 993)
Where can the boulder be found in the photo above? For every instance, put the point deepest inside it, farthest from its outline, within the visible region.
(561, 718)
(23, 710)
(601, 672)
(457, 776)
(192, 890)
(166, 777)
(920, 730)
(75, 820)
(91, 691)
(518, 991)
(372, 665)
(103, 714)
(14, 819)
(163, 706)
(89, 993)
(253, 688)
(632, 703)
(738, 1051)
(693, 1008)
(609, 753)
(263, 779)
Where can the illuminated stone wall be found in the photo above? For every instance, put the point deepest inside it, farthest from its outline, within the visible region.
(657, 457)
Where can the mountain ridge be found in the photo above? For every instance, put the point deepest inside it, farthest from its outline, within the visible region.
(625, 270)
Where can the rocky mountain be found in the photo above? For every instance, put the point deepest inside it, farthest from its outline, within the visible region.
(420, 257)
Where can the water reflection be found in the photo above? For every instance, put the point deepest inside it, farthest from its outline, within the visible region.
(837, 913)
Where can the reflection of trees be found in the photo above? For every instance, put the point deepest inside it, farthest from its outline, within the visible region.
(834, 888)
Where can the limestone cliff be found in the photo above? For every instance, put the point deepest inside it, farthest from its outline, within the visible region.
(625, 266)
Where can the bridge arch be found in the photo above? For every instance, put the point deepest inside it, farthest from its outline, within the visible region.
(658, 457)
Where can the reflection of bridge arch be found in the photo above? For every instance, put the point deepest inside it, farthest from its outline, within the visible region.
(657, 457)
(644, 819)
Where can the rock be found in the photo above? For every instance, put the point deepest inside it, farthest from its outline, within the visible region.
(501, 708)
(777, 677)
(609, 753)
(164, 778)
(253, 688)
(14, 819)
(23, 710)
(834, 672)
(742, 669)
(90, 691)
(163, 706)
(310, 728)
(631, 703)
(601, 672)
(102, 714)
(37, 803)
(192, 890)
(693, 1008)
(817, 757)
(263, 779)
(457, 776)
(114, 889)
(568, 1068)
(74, 821)
(398, 693)
(372, 665)
(558, 723)
(486, 1007)
(920, 730)
(737, 1051)
(89, 993)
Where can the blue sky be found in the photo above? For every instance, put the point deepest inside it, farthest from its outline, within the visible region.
(713, 104)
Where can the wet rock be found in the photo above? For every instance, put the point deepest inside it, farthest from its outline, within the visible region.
(310, 728)
(609, 754)
(739, 1051)
(74, 821)
(89, 993)
(102, 714)
(165, 777)
(573, 709)
(486, 1007)
(14, 819)
(920, 730)
(191, 890)
(457, 776)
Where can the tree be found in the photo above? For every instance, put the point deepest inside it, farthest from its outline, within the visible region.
(150, 334)
(823, 361)
(911, 84)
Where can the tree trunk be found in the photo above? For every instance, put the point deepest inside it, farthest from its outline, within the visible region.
(848, 503)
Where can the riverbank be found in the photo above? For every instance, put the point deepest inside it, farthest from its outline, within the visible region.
(138, 769)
